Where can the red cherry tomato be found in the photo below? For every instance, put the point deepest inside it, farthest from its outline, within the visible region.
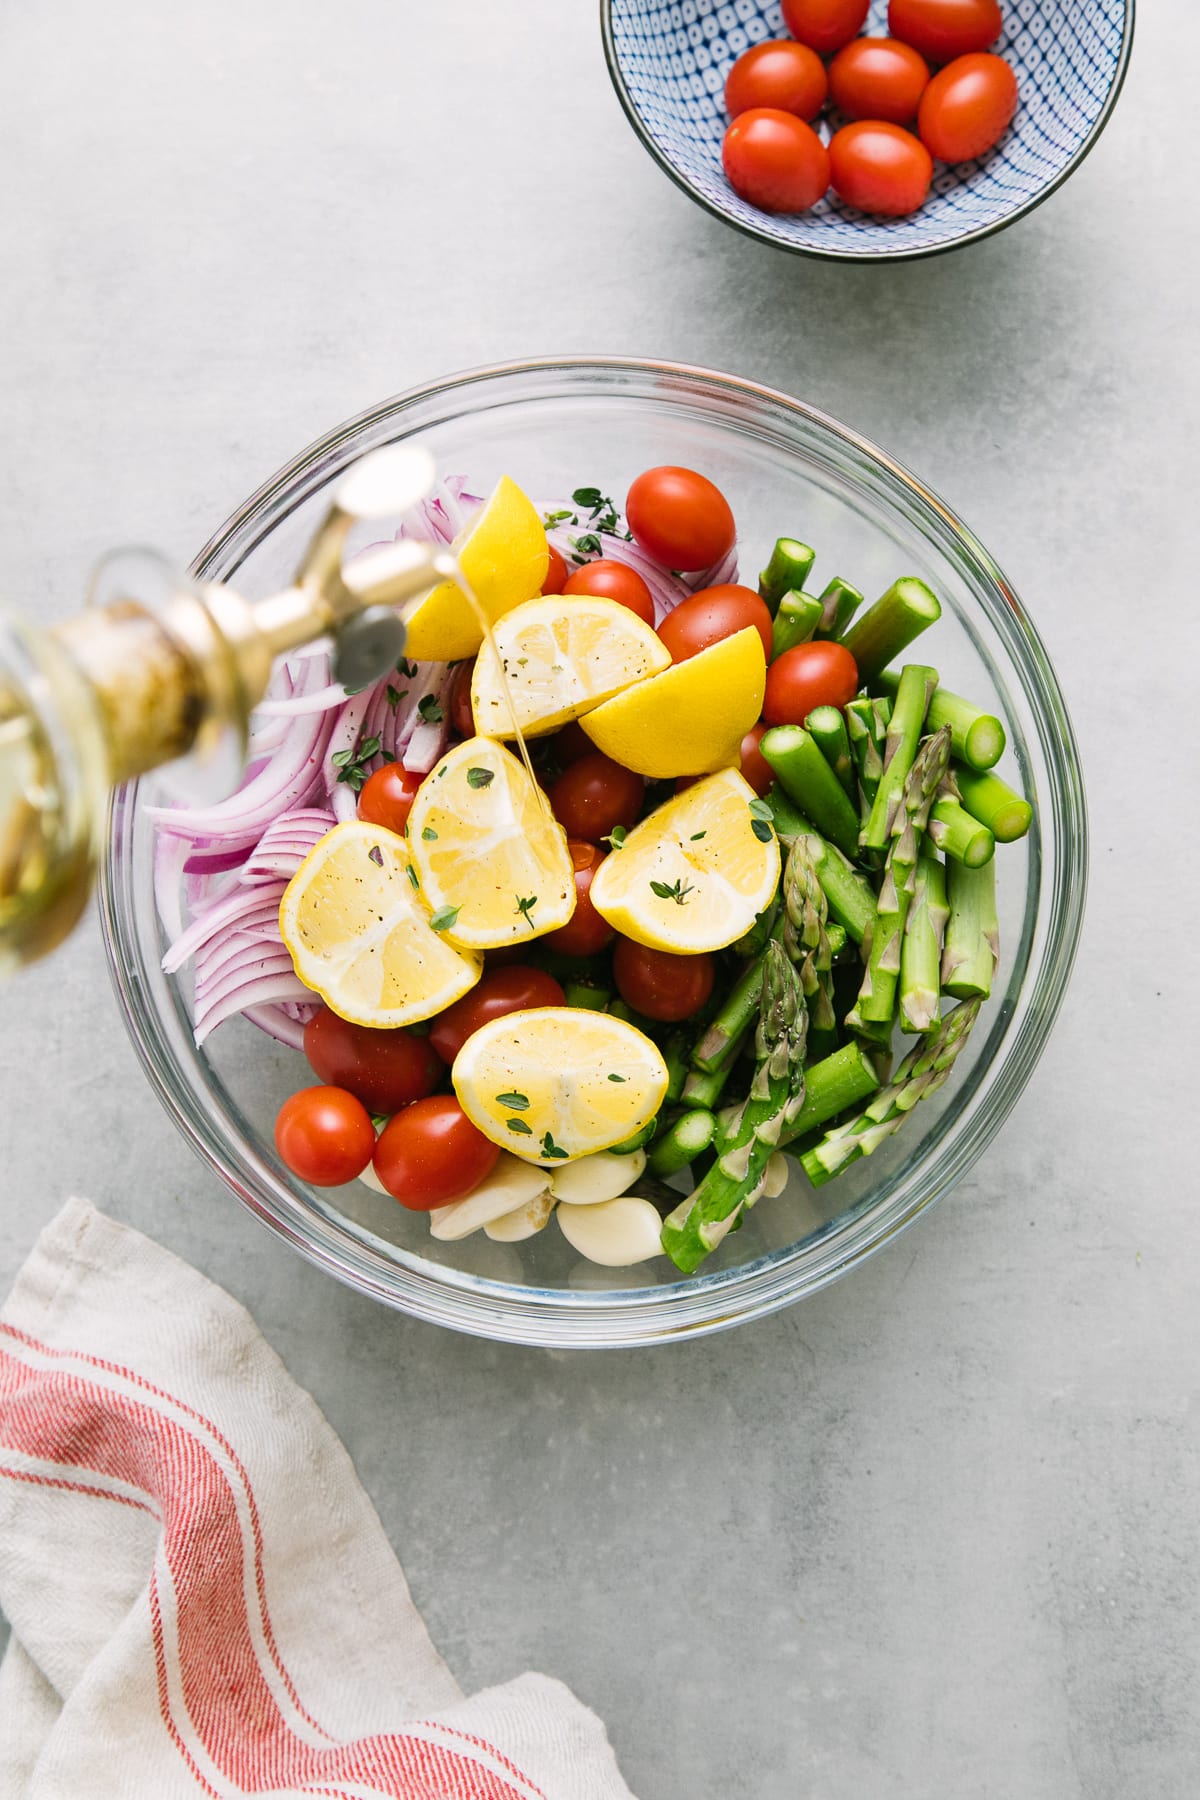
(388, 794)
(660, 984)
(383, 1069)
(513, 987)
(755, 767)
(824, 25)
(430, 1154)
(461, 716)
(324, 1135)
(942, 29)
(789, 77)
(680, 518)
(712, 614)
(878, 78)
(609, 579)
(585, 932)
(569, 744)
(556, 574)
(808, 676)
(594, 795)
(967, 107)
(775, 161)
(880, 168)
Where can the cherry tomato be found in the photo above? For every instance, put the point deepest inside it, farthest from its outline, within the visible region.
(585, 932)
(712, 614)
(878, 78)
(594, 795)
(808, 676)
(511, 988)
(755, 767)
(824, 25)
(609, 579)
(569, 744)
(775, 161)
(967, 107)
(324, 1135)
(430, 1154)
(942, 29)
(880, 168)
(556, 574)
(680, 518)
(789, 77)
(461, 716)
(388, 794)
(660, 984)
(383, 1069)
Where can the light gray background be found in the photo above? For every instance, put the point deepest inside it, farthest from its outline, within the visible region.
(933, 1534)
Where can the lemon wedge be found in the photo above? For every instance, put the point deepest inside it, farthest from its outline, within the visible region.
(358, 935)
(692, 718)
(696, 873)
(493, 863)
(504, 555)
(559, 658)
(558, 1082)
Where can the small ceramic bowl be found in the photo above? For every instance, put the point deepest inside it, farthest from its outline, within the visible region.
(669, 59)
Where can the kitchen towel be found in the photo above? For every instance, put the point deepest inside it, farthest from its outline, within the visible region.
(201, 1597)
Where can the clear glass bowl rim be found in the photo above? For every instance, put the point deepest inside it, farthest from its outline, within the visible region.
(712, 1302)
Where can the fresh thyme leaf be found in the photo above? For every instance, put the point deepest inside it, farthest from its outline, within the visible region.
(550, 1148)
(395, 696)
(760, 810)
(407, 669)
(601, 511)
(525, 908)
(340, 758)
(587, 545)
(618, 1078)
(616, 837)
(443, 919)
(413, 876)
(678, 891)
(429, 709)
(696, 836)
(564, 515)
(352, 764)
(478, 778)
(516, 1102)
(429, 835)
(592, 498)
(761, 830)
(519, 1125)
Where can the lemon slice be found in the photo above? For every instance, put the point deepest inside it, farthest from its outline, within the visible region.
(358, 935)
(557, 1082)
(692, 718)
(696, 873)
(561, 657)
(493, 863)
(504, 555)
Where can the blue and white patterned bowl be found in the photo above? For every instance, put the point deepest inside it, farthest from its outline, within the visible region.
(669, 59)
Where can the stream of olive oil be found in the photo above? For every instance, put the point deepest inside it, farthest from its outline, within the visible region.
(489, 637)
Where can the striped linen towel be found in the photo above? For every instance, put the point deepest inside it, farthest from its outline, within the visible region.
(201, 1597)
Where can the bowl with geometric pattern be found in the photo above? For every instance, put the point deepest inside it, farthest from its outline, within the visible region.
(669, 58)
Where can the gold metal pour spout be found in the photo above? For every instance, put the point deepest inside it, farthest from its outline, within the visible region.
(164, 672)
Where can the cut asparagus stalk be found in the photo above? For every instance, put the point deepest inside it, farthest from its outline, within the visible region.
(681, 1143)
(991, 801)
(851, 897)
(958, 835)
(866, 729)
(675, 1055)
(703, 1088)
(876, 1002)
(889, 626)
(722, 1038)
(795, 621)
(827, 727)
(805, 937)
(808, 779)
(786, 572)
(830, 1086)
(839, 603)
(972, 944)
(976, 737)
(776, 1096)
(754, 941)
(903, 735)
(785, 815)
(921, 951)
(637, 1141)
(921, 1073)
(586, 994)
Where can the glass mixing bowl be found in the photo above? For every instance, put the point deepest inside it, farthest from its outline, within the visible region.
(554, 425)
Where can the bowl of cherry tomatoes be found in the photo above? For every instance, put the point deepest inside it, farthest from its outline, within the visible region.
(865, 130)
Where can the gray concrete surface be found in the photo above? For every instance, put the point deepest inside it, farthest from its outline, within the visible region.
(932, 1535)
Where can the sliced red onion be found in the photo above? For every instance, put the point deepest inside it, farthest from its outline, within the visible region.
(276, 1022)
(240, 908)
(324, 698)
(285, 843)
(344, 802)
(222, 983)
(271, 989)
(214, 862)
(300, 1012)
(170, 854)
(429, 737)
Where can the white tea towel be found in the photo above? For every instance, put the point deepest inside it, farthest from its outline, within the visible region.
(201, 1596)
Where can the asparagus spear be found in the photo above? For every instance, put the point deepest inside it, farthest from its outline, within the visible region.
(921, 951)
(827, 726)
(903, 735)
(776, 1096)
(681, 1143)
(889, 626)
(921, 1073)
(808, 779)
(675, 1055)
(796, 619)
(866, 729)
(723, 1036)
(839, 603)
(785, 815)
(830, 1086)
(962, 838)
(977, 738)
(851, 897)
(877, 996)
(587, 994)
(991, 801)
(805, 937)
(754, 941)
(786, 572)
(703, 1088)
(972, 947)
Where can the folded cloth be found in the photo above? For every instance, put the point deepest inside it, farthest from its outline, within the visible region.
(201, 1596)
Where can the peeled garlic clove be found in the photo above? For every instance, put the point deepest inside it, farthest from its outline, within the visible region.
(593, 1179)
(511, 1184)
(776, 1177)
(616, 1233)
(370, 1179)
(523, 1222)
